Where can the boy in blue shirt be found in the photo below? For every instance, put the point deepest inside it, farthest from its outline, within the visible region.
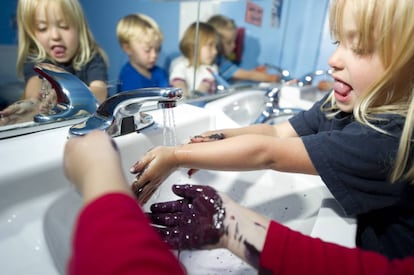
(140, 38)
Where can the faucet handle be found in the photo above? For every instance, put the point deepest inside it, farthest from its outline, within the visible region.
(273, 96)
(284, 74)
(74, 98)
(308, 78)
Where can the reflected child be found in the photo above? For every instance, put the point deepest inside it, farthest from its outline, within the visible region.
(140, 38)
(56, 32)
(227, 30)
(182, 68)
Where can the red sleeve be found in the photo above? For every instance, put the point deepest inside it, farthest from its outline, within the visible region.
(289, 252)
(113, 236)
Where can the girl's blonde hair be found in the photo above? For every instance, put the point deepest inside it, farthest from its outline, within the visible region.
(187, 44)
(221, 23)
(71, 11)
(140, 26)
(385, 27)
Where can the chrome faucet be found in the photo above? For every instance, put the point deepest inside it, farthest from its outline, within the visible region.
(74, 99)
(273, 110)
(117, 115)
(308, 78)
(284, 74)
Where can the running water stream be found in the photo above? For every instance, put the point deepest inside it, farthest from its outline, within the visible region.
(169, 137)
(169, 133)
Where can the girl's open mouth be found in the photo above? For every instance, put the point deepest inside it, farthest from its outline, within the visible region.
(342, 90)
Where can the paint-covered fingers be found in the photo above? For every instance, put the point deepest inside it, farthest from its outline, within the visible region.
(194, 222)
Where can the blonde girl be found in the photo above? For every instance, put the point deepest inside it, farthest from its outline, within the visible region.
(200, 59)
(358, 138)
(56, 31)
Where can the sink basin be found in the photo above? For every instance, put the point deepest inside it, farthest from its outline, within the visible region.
(39, 206)
(32, 181)
(291, 199)
(245, 106)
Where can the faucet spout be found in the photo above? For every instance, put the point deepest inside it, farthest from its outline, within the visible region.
(117, 114)
(273, 111)
(74, 99)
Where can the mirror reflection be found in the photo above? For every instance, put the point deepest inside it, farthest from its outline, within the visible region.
(266, 41)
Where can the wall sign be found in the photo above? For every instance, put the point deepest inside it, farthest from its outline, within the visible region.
(254, 14)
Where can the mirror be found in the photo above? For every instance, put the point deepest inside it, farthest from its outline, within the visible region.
(288, 34)
(72, 101)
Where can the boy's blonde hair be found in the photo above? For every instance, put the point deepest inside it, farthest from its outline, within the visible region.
(71, 11)
(206, 32)
(140, 26)
(386, 27)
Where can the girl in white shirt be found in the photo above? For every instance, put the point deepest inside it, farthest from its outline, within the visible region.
(194, 73)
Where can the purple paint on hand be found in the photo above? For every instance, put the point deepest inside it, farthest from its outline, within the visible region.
(192, 222)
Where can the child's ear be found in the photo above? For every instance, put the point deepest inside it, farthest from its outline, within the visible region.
(126, 48)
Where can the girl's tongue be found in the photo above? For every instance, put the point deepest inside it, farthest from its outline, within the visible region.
(341, 88)
(58, 51)
(342, 91)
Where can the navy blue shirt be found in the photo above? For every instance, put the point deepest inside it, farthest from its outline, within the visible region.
(355, 162)
(130, 78)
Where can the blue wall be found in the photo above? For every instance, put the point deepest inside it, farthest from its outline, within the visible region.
(8, 31)
(294, 45)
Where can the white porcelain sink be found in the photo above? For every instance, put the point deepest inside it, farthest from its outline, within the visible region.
(245, 106)
(38, 205)
(31, 180)
(292, 199)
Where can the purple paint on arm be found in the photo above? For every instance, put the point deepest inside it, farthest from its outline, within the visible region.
(252, 255)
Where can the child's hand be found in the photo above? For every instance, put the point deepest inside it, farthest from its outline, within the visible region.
(47, 100)
(153, 168)
(18, 112)
(193, 222)
(93, 165)
(261, 68)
